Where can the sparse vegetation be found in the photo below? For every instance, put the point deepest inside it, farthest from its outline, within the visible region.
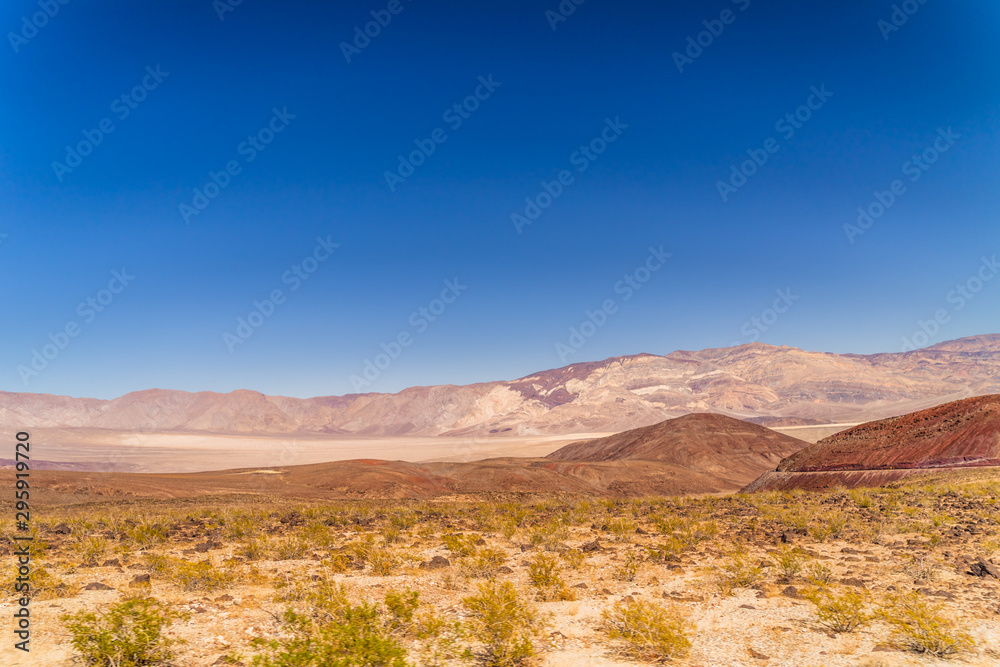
(505, 624)
(129, 634)
(922, 627)
(840, 610)
(646, 630)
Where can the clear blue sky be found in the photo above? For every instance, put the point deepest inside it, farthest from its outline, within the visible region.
(67, 229)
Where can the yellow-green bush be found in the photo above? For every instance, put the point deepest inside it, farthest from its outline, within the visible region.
(647, 630)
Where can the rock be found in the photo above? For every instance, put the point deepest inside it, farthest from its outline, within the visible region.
(436, 563)
(97, 586)
(224, 598)
(853, 581)
(205, 546)
(503, 569)
(983, 569)
(747, 606)
(791, 592)
(787, 537)
(140, 580)
(114, 562)
(62, 529)
(880, 648)
(591, 546)
(757, 655)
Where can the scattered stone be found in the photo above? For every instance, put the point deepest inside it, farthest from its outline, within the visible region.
(224, 598)
(436, 563)
(853, 581)
(114, 562)
(591, 546)
(62, 529)
(140, 580)
(757, 655)
(580, 585)
(97, 586)
(747, 606)
(503, 569)
(983, 569)
(204, 547)
(791, 592)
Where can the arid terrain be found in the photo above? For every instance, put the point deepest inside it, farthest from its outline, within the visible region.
(716, 580)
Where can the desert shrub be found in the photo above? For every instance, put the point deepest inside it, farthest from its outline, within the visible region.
(383, 562)
(148, 535)
(819, 574)
(129, 634)
(573, 558)
(543, 573)
(921, 626)
(843, 611)
(505, 625)
(355, 638)
(740, 570)
(668, 550)
(484, 563)
(461, 545)
(647, 630)
(628, 570)
(253, 549)
(92, 549)
(790, 562)
(621, 528)
(290, 548)
(199, 575)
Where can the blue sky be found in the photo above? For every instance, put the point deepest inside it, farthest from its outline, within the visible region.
(642, 146)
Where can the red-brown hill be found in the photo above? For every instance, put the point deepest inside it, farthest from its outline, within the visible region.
(710, 443)
(961, 433)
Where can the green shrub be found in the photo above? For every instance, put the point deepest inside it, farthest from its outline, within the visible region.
(921, 626)
(841, 612)
(461, 545)
(740, 570)
(790, 562)
(628, 570)
(484, 563)
(543, 573)
(129, 634)
(647, 630)
(504, 624)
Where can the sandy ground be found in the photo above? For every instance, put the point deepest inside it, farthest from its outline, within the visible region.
(181, 452)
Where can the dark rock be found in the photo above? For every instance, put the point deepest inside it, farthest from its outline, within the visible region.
(436, 563)
(97, 586)
(503, 569)
(983, 569)
(224, 598)
(747, 606)
(114, 562)
(853, 581)
(757, 655)
(791, 592)
(787, 537)
(62, 529)
(591, 546)
(580, 585)
(140, 580)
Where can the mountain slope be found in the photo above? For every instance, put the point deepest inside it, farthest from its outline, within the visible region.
(756, 381)
(958, 435)
(707, 442)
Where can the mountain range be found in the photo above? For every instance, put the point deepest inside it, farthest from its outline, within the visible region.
(773, 386)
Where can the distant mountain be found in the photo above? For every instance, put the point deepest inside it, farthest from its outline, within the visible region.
(772, 385)
(960, 434)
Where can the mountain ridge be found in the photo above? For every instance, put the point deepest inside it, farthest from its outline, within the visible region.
(752, 381)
